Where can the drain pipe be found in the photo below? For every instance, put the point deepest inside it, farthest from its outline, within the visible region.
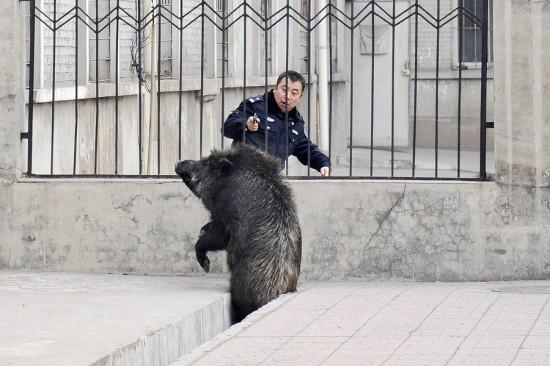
(322, 77)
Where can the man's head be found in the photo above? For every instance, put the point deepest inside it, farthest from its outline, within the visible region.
(289, 89)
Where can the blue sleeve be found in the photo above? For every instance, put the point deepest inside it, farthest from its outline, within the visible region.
(235, 123)
(317, 158)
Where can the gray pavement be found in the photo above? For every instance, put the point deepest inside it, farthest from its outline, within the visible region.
(57, 319)
(391, 323)
(113, 320)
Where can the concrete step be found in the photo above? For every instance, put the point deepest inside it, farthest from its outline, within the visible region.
(56, 319)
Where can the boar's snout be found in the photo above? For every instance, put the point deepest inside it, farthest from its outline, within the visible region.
(183, 169)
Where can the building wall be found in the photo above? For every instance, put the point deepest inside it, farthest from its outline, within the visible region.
(448, 102)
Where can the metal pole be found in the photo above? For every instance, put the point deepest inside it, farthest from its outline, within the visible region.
(483, 107)
(31, 87)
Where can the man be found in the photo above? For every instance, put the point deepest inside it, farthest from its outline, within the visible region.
(281, 129)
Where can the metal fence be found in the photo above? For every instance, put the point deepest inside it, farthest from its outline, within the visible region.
(125, 88)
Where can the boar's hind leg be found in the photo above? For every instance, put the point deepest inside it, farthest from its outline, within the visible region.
(240, 309)
(211, 238)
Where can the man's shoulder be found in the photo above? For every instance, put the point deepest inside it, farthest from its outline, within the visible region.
(256, 99)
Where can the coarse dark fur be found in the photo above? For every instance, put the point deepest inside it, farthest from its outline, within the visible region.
(254, 219)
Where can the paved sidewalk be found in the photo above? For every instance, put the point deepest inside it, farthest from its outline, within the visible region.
(391, 323)
(69, 319)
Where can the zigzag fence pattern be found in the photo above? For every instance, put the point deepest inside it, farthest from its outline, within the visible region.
(125, 88)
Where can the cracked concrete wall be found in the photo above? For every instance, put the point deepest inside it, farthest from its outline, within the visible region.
(425, 231)
(416, 230)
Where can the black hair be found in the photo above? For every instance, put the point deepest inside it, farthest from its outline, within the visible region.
(292, 76)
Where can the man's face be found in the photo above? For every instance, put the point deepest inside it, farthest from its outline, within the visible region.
(287, 96)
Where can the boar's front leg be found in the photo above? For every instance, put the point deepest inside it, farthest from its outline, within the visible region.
(212, 237)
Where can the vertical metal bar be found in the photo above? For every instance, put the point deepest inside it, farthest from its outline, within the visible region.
(159, 50)
(351, 96)
(372, 93)
(181, 80)
(140, 102)
(75, 89)
(116, 83)
(266, 99)
(308, 86)
(32, 32)
(437, 89)
(460, 57)
(53, 84)
(224, 11)
(330, 78)
(96, 84)
(202, 77)
(392, 91)
(244, 70)
(415, 108)
(483, 107)
(286, 82)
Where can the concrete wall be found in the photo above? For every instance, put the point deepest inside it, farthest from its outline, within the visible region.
(422, 231)
(351, 229)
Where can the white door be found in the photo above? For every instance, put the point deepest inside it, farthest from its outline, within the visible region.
(363, 58)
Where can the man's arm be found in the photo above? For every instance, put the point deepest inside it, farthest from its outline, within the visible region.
(318, 160)
(235, 123)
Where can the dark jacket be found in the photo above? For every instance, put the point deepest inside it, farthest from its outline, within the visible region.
(275, 139)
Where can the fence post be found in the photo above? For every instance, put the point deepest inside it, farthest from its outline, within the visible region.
(483, 105)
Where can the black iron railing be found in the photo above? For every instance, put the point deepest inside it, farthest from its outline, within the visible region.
(138, 124)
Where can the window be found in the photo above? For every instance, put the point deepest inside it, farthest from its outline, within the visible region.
(166, 39)
(472, 33)
(334, 43)
(222, 42)
(266, 10)
(99, 41)
(27, 13)
(304, 38)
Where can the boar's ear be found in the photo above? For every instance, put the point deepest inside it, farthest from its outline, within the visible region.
(225, 165)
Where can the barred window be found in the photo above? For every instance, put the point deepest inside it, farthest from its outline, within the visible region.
(166, 58)
(26, 11)
(304, 37)
(222, 42)
(266, 10)
(99, 41)
(334, 43)
(472, 33)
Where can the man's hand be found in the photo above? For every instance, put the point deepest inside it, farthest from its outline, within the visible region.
(325, 171)
(252, 123)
